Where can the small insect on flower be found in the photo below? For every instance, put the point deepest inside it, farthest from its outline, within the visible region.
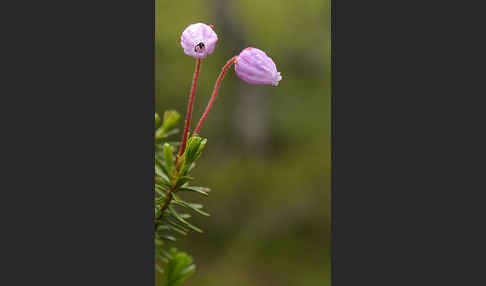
(254, 66)
(198, 40)
(199, 47)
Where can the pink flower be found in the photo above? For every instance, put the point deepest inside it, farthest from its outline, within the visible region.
(198, 40)
(254, 66)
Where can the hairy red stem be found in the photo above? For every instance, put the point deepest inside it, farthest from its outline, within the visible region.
(189, 107)
(215, 93)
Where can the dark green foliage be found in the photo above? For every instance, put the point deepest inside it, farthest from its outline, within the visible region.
(171, 214)
(177, 268)
(195, 146)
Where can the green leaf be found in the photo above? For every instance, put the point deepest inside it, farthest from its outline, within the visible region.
(190, 168)
(162, 175)
(159, 163)
(167, 227)
(168, 162)
(179, 218)
(194, 207)
(168, 237)
(174, 143)
(200, 190)
(158, 242)
(159, 134)
(157, 212)
(159, 268)
(185, 216)
(192, 147)
(159, 185)
(178, 268)
(160, 190)
(195, 145)
(201, 147)
(182, 180)
(171, 117)
(176, 224)
(171, 132)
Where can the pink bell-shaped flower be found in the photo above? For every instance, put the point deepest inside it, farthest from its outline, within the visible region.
(254, 66)
(198, 40)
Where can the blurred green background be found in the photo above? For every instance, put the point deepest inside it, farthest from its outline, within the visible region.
(267, 160)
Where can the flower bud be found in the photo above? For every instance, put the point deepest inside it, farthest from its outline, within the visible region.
(171, 117)
(198, 40)
(254, 66)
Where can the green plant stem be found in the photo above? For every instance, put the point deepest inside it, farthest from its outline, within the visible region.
(171, 191)
(164, 206)
(167, 201)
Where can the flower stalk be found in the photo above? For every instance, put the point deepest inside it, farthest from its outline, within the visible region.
(189, 107)
(215, 93)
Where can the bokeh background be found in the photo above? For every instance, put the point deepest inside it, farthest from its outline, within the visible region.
(268, 157)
